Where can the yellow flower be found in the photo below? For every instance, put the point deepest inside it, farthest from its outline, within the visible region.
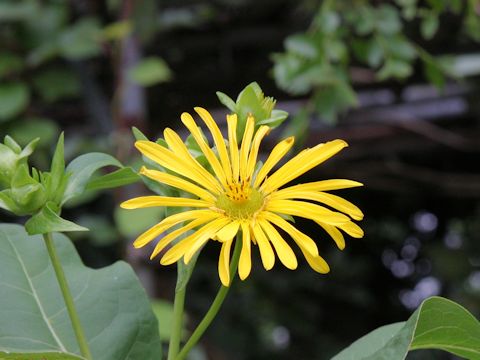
(236, 197)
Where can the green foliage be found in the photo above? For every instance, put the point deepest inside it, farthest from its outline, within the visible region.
(12, 157)
(130, 223)
(26, 129)
(150, 71)
(48, 220)
(117, 178)
(14, 99)
(81, 170)
(437, 324)
(56, 84)
(9, 64)
(252, 101)
(317, 62)
(39, 356)
(119, 323)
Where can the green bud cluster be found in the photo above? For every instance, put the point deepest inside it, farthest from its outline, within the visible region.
(26, 191)
(252, 101)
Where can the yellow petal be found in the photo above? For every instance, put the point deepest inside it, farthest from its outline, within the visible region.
(218, 139)
(233, 145)
(266, 252)
(307, 211)
(168, 222)
(301, 163)
(224, 263)
(336, 234)
(302, 240)
(188, 121)
(166, 240)
(176, 144)
(245, 263)
(331, 200)
(173, 162)
(245, 147)
(185, 245)
(317, 263)
(275, 156)
(151, 201)
(214, 226)
(228, 231)
(252, 157)
(323, 185)
(191, 244)
(352, 229)
(284, 251)
(179, 183)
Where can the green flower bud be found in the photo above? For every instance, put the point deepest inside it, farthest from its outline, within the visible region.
(27, 193)
(252, 102)
(11, 157)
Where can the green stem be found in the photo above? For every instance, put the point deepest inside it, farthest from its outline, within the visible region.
(215, 307)
(67, 296)
(176, 336)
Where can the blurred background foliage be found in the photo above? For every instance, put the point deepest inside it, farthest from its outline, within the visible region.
(397, 79)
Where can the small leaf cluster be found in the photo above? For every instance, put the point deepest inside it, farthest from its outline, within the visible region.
(318, 61)
(33, 192)
(252, 101)
(27, 191)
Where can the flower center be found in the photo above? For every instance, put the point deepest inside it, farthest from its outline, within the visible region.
(240, 201)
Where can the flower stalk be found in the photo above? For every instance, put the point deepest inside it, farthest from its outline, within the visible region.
(67, 296)
(215, 307)
(176, 335)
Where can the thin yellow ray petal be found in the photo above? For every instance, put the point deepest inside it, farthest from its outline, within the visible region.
(215, 226)
(224, 263)
(323, 185)
(317, 263)
(252, 156)
(266, 251)
(176, 144)
(151, 201)
(178, 182)
(302, 240)
(245, 146)
(284, 251)
(218, 139)
(331, 200)
(335, 234)
(228, 231)
(171, 161)
(302, 163)
(245, 263)
(306, 210)
(188, 121)
(275, 156)
(352, 229)
(188, 247)
(233, 145)
(166, 240)
(167, 223)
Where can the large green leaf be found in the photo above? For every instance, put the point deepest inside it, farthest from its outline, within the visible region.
(115, 312)
(39, 356)
(82, 168)
(437, 324)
